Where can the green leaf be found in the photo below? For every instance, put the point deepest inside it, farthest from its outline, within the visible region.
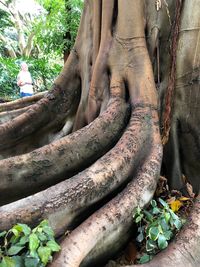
(148, 215)
(42, 237)
(31, 262)
(39, 230)
(19, 262)
(153, 203)
(14, 250)
(168, 234)
(44, 254)
(14, 239)
(15, 232)
(145, 258)
(174, 216)
(178, 224)
(167, 216)
(136, 212)
(140, 237)
(171, 221)
(156, 210)
(164, 225)
(53, 246)
(33, 243)
(138, 209)
(7, 262)
(160, 228)
(162, 242)
(23, 240)
(48, 230)
(17, 228)
(183, 221)
(44, 223)
(150, 245)
(153, 233)
(139, 218)
(163, 203)
(147, 229)
(24, 228)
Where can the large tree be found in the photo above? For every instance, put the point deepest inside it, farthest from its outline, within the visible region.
(88, 152)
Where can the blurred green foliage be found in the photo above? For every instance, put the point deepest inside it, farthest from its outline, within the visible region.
(43, 72)
(55, 29)
(8, 73)
(62, 19)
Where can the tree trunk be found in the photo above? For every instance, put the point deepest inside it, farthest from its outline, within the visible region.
(91, 147)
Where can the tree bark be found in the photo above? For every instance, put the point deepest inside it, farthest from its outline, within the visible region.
(34, 171)
(111, 225)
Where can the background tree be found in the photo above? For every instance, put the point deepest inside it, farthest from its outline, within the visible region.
(35, 35)
(89, 151)
(20, 33)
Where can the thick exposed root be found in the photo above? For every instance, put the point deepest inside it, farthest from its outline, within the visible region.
(21, 103)
(9, 115)
(29, 173)
(10, 110)
(105, 231)
(64, 202)
(49, 132)
(57, 101)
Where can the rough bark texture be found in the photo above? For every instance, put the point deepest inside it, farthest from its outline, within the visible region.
(182, 151)
(110, 226)
(93, 142)
(34, 171)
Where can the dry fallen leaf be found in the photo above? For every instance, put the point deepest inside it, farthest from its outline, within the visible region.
(175, 205)
(184, 198)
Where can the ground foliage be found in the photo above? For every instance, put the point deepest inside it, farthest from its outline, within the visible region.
(22, 247)
(156, 227)
(157, 224)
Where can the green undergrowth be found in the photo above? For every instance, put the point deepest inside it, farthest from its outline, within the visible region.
(157, 225)
(22, 246)
(160, 222)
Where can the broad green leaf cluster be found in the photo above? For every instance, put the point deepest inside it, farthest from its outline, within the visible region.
(156, 226)
(23, 247)
(8, 79)
(57, 30)
(52, 28)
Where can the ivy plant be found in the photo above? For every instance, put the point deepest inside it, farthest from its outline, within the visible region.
(22, 247)
(156, 226)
